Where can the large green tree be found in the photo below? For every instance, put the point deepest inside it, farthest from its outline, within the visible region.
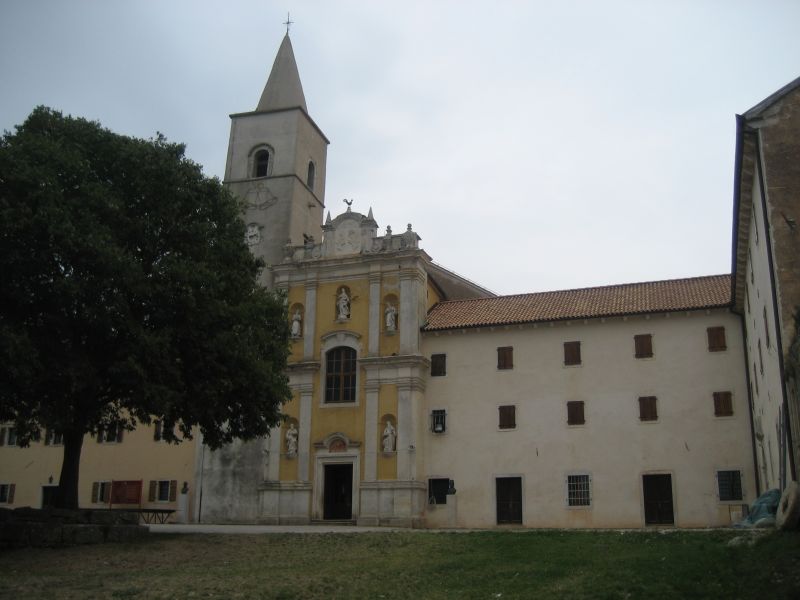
(128, 294)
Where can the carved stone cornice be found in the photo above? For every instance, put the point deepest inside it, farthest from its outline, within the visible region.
(306, 366)
(404, 360)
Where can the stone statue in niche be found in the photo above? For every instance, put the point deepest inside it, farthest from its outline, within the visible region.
(390, 314)
(389, 436)
(297, 327)
(343, 305)
(291, 441)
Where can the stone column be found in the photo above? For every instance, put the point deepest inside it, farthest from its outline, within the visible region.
(272, 454)
(374, 314)
(408, 317)
(370, 427)
(304, 435)
(406, 438)
(309, 335)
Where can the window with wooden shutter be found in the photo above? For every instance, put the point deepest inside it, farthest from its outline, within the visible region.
(723, 404)
(173, 490)
(648, 410)
(575, 412)
(438, 365)
(643, 344)
(508, 416)
(572, 353)
(716, 339)
(126, 492)
(505, 358)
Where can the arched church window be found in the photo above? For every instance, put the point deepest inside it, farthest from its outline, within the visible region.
(340, 375)
(261, 163)
(312, 171)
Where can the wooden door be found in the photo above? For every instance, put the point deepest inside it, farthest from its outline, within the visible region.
(658, 508)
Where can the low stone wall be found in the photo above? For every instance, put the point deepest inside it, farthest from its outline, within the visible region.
(29, 527)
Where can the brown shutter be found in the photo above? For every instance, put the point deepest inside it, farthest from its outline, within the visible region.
(173, 490)
(505, 357)
(648, 410)
(572, 353)
(716, 339)
(507, 417)
(11, 489)
(644, 345)
(723, 404)
(575, 412)
(152, 495)
(95, 487)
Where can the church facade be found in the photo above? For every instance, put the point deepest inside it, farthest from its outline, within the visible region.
(421, 399)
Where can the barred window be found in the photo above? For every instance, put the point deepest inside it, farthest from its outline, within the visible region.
(723, 404)
(437, 491)
(438, 421)
(730, 485)
(340, 375)
(579, 490)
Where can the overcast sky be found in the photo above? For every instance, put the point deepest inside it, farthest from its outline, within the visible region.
(532, 145)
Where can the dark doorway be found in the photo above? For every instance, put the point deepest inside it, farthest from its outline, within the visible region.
(49, 496)
(509, 500)
(338, 492)
(658, 500)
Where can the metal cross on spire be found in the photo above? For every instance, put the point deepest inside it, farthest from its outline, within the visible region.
(288, 23)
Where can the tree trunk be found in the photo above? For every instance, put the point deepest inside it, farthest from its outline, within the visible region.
(67, 496)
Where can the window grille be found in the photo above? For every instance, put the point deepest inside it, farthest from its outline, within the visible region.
(730, 485)
(438, 421)
(579, 490)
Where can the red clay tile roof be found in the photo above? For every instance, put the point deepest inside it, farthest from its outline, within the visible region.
(613, 300)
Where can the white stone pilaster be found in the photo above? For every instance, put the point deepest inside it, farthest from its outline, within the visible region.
(273, 456)
(370, 427)
(309, 335)
(406, 446)
(409, 320)
(304, 435)
(374, 314)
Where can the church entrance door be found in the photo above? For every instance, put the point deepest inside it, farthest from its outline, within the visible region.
(338, 492)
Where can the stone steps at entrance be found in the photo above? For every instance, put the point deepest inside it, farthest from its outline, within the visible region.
(333, 522)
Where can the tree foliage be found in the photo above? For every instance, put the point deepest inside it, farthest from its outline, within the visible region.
(128, 293)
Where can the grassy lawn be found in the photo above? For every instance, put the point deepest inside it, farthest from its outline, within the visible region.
(489, 564)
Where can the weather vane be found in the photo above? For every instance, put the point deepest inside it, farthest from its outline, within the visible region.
(348, 202)
(288, 23)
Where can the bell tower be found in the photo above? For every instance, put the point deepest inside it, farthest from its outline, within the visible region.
(276, 165)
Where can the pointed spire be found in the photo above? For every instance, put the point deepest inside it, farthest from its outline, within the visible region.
(369, 216)
(328, 220)
(283, 89)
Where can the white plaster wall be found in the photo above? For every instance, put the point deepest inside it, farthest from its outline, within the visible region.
(613, 446)
(766, 386)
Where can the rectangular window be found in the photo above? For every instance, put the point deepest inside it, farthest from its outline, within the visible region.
(438, 421)
(575, 412)
(579, 490)
(437, 491)
(7, 493)
(111, 434)
(643, 344)
(572, 353)
(716, 339)
(53, 438)
(723, 404)
(164, 490)
(730, 486)
(505, 358)
(101, 492)
(438, 365)
(648, 410)
(8, 436)
(508, 416)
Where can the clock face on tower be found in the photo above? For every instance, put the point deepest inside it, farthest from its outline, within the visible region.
(252, 234)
